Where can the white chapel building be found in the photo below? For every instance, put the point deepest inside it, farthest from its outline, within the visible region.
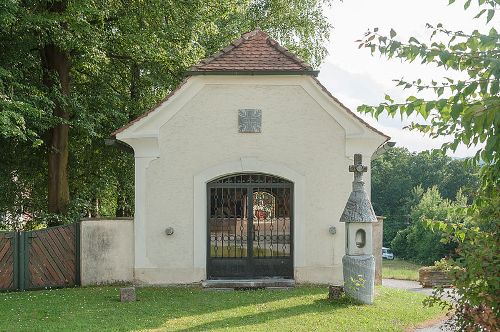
(242, 171)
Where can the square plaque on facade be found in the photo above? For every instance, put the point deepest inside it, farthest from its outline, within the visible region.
(249, 120)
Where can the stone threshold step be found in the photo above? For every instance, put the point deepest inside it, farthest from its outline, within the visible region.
(249, 283)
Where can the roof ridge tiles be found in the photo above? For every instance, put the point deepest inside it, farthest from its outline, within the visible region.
(253, 51)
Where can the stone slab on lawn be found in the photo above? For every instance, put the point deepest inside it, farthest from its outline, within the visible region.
(127, 294)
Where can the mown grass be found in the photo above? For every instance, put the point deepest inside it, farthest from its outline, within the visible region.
(400, 269)
(304, 308)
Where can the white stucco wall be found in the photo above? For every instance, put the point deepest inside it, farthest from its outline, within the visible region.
(194, 138)
(106, 251)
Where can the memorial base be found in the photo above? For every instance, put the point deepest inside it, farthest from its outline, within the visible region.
(359, 277)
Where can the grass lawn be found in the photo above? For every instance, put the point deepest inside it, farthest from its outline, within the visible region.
(304, 308)
(400, 269)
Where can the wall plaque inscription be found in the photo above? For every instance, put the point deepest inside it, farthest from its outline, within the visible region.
(249, 120)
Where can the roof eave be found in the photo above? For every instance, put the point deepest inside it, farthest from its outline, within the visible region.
(313, 73)
(366, 124)
(145, 114)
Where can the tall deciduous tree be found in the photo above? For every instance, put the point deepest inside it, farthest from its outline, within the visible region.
(56, 77)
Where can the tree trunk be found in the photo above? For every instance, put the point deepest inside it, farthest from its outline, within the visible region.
(120, 201)
(56, 65)
(96, 209)
(134, 83)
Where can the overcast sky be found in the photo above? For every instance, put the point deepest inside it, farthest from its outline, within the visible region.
(356, 77)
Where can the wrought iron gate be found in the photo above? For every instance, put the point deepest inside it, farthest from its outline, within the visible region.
(250, 227)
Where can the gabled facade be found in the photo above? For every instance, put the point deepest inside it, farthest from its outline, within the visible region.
(242, 171)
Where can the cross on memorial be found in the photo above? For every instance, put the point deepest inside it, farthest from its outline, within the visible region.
(358, 169)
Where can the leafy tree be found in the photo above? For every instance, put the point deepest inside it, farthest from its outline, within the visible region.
(459, 175)
(71, 72)
(397, 172)
(470, 115)
(417, 242)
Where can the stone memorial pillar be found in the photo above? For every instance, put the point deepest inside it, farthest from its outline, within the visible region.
(359, 263)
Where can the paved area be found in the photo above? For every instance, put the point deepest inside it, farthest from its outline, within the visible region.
(414, 286)
(439, 327)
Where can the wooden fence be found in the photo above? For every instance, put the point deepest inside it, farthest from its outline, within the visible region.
(39, 259)
(8, 261)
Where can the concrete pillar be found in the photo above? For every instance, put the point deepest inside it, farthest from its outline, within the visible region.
(378, 234)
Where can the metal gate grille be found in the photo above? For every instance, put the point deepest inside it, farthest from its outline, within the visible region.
(228, 223)
(250, 227)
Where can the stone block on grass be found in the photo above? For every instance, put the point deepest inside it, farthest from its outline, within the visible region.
(127, 294)
(335, 292)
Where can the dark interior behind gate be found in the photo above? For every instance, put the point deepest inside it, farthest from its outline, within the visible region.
(250, 227)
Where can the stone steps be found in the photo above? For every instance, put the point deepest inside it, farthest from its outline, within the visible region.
(268, 283)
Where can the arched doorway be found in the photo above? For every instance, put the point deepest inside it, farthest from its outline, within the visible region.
(250, 227)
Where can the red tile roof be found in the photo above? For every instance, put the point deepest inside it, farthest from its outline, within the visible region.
(254, 52)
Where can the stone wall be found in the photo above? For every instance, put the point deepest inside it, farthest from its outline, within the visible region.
(378, 234)
(430, 277)
(107, 251)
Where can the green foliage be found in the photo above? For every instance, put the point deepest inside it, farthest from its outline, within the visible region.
(420, 242)
(442, 265)
(397, 173)
(468, 111)
(125, 56)
(355, 284)
(476, 270)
